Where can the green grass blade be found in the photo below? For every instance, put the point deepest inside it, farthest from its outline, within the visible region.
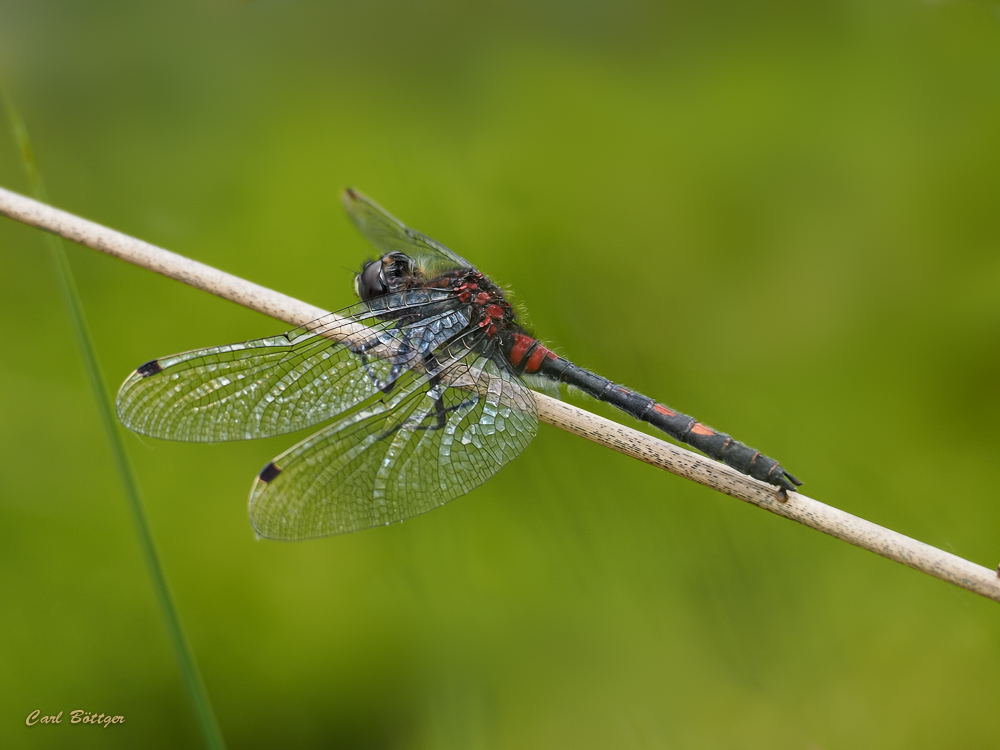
(67, 287)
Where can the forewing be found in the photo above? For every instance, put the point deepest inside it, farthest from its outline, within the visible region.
(388, 234)
(393, 460)
(284, 383)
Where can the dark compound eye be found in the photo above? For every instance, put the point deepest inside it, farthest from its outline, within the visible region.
(371, 281)
(381, 276)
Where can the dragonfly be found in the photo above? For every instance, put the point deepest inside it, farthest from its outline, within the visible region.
(424, 383)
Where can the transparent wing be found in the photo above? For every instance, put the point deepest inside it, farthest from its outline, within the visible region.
(389, 235)
(284, 383)
(399, 456)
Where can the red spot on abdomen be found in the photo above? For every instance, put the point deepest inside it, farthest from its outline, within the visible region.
(537, 357)
(700, 429)
(664, 410)
(521, 344)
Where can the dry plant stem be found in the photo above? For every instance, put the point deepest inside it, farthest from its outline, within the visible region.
(654, 451)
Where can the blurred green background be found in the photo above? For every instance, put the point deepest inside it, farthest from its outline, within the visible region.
(779, 217)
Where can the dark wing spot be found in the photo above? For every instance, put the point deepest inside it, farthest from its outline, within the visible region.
(150, 368)
(269, 472)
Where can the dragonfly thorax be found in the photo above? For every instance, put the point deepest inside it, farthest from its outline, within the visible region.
(489, 309)
(395, 272)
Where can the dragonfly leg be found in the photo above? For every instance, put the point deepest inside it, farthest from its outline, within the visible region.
(401, 357)
(441, 413)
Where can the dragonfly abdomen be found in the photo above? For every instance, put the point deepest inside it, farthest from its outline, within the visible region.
(528, 356)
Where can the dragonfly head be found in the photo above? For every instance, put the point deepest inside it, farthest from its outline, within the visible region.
(382, 276)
